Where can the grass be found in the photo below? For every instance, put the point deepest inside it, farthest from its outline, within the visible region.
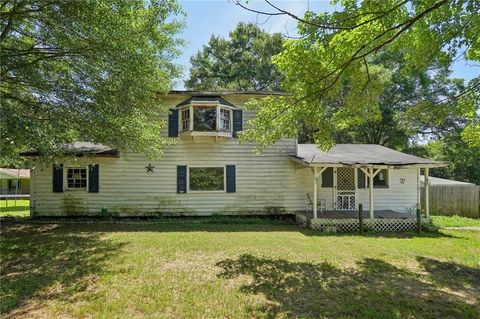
(235, 271)
(454, 221)
(20, 209)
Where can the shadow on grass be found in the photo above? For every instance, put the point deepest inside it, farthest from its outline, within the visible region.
(372, 289)
(44, 262)
(225, 227)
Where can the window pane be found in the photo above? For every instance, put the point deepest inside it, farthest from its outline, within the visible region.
(77, 178)
(186, 120)
(204, 118)
(224, 120)
(381, 179)
(206, 179)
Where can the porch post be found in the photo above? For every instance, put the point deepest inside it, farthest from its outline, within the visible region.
(315, 192)
(370, 206)
(427, 182)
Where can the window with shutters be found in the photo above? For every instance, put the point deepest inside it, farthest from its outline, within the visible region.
(206, 179)
(214, 120)
(76, 178)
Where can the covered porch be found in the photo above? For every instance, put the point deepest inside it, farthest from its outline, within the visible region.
(383, 182)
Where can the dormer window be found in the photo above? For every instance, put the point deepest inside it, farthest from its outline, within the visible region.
(206, 116)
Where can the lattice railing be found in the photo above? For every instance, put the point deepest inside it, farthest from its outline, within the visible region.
(352, 225)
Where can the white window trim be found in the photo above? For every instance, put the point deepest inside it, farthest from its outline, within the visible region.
(218, 107)
(208, 166)
(65, 179)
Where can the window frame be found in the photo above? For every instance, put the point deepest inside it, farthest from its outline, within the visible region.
(207, 191)
(218, 129)
(387, 179)
(75, 189)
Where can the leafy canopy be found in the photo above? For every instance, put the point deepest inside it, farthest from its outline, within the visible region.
(331, 75)
(242, 62)
(85, 70)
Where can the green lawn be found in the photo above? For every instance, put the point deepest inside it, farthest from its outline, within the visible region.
(19, 209)
(454, 221)
(235, 271)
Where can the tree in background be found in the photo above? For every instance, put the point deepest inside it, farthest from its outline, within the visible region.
(242, 62)
(463, 159)
(332, 78)
(85, 71)
(403, 92)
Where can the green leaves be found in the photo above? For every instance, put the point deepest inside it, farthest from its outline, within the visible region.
(242, 62)
(90, 68)
(334, 81)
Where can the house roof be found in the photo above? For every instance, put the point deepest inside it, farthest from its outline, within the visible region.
(14, 172)
(442, 181)
(225, 92)
(81, 148)
(205, 99)
(359, 154)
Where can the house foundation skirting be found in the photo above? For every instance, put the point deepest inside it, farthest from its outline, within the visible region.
(353, 225)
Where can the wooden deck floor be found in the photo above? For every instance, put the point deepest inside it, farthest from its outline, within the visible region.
(342, 214)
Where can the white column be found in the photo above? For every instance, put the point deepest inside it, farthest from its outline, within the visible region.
(370, 206)
(334, 189)
(418, 189)
(427, 182)
(315, 192)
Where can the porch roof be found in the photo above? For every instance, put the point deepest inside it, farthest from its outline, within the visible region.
(80, 149)
(359, 155)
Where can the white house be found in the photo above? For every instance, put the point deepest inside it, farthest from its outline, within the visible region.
(209, 171)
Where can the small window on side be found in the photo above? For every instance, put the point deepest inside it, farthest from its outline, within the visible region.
(185, 114)
(76, 178)
(225, 120)
(381, 179)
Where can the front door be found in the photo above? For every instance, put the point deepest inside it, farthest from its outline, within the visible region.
(345, 188)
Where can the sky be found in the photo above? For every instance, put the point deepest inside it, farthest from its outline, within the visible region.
(205, 18)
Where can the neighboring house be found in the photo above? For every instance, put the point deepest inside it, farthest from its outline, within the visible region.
(436, 181)
(14, 181)
(209, 171)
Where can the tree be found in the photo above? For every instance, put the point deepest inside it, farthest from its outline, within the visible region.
(242, 62)
(85, 70)
(398, 124)
(334, 60)
(463, 160)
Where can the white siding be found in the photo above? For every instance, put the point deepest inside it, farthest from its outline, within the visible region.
(269, 183)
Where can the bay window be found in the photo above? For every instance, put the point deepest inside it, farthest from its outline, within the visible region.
(206, 120)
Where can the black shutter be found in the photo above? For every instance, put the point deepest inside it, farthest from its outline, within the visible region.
(181, 179)
(360, 178)
(57, 180)
(231, 179)
(327, 177)
(173, 123)
(93, 178)
(237, 122)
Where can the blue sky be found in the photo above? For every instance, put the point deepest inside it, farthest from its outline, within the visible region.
(219, 17)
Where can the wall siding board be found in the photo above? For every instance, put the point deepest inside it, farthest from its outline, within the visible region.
(268, 183)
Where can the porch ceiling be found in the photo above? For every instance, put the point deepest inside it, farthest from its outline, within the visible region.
(359, 155)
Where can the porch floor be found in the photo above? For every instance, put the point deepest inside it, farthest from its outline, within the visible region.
(349, 214)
